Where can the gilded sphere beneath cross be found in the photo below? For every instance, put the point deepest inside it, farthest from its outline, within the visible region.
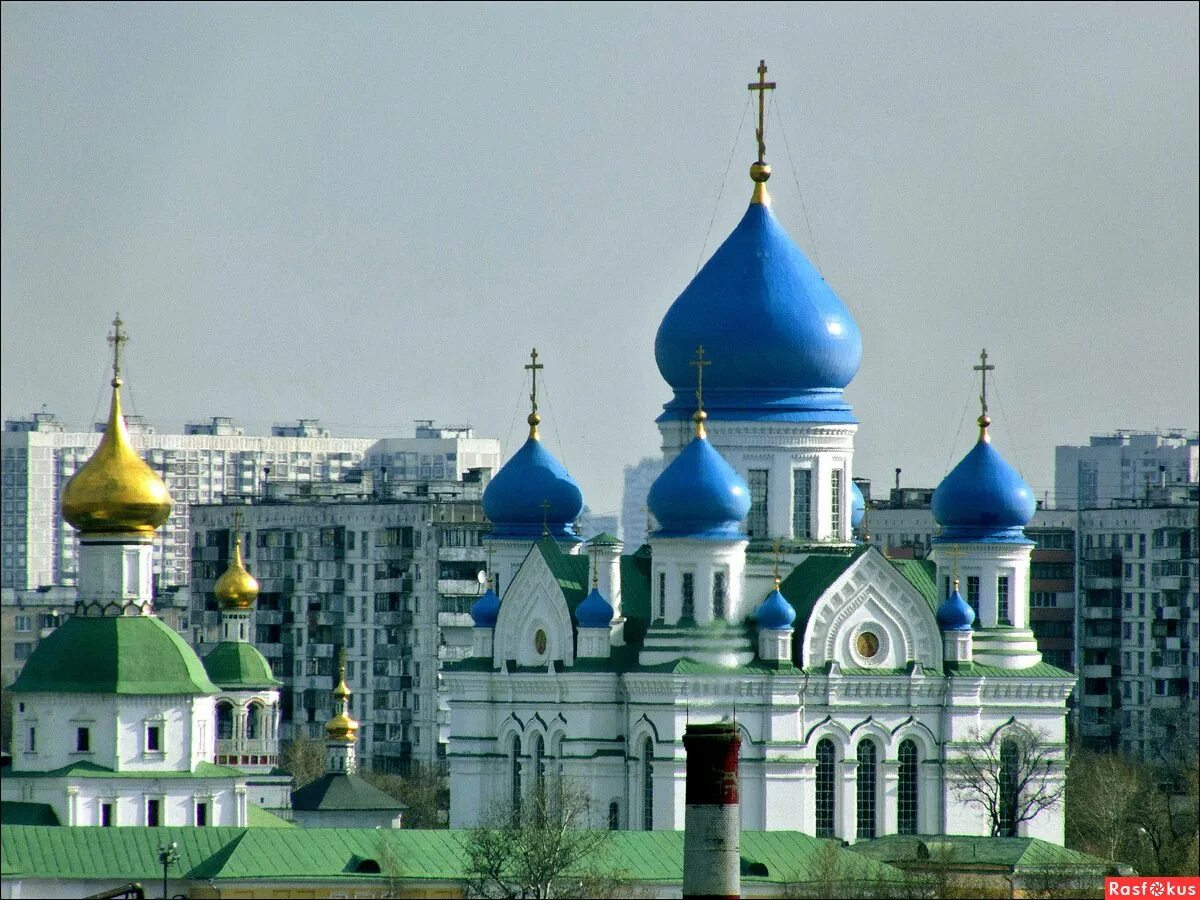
(759, 171)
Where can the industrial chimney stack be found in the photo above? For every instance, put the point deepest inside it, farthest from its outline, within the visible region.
(712, 826)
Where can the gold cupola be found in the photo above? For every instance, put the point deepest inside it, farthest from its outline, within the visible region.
(341, 727)
(116, 492)
(236, 589)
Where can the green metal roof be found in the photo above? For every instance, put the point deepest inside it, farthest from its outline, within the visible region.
(257, 817)
(340, 791)
(92, 770)
(604, 539)
(239, 665)
(921, 574)
(1018, 854)
(978, 670)
(13, 812)
(114, 655)
(808, 581)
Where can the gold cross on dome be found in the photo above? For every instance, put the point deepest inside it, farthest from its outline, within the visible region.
(700, 362)
(762, 86)
(955, 553)
(778, 548)
(534, 366)
(545, 518)
(983, 368)
(117, 340)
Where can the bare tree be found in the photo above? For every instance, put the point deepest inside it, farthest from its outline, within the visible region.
(304, 759)
(1103, 790)
(424, 791)
(545, 849)
(1012, 776)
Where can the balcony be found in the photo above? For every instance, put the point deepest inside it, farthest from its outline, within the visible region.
(1098, 671)
(1101, 612)
(455, 620)
(1166, 702)
(1101, 582)
(1167, 672)
(1097, 701)
(462, 554)
(1100, 641)
(459, 586)
(1169, 612)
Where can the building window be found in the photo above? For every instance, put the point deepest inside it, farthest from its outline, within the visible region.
(515, 779)
(756, 521)
(31, 740)
(224, 721)
(83, 740)
(1003, 616)
(153, 812)
(254, 721)
(866, 790)
(154, 738)
(539, 769)
(662, 595)
(906, 788)
(107, 820)
(22, 623)
(973, 595)
(719, 579)
(1009, 754)
(201, 813)
(825, 805)
(802, 503)
(835, 500)
(647, 785)
(614, 816)
(688, 596)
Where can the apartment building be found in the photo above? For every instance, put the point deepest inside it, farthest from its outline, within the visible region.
(636, 485)
(387, 570)
(1123, 465)
(209, 462)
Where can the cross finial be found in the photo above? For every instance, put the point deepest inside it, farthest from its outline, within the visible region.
(700, 415)
(778, 548)
(534, 367)
(117, 340)
(955, 553)
(762, 86)
(341, 664)
(595, 569)
(983, 368)
(545, 518)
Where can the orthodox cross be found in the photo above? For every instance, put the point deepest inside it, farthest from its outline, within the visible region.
(778, 547)
(237, 528)
(489, 565)
(955, 553)
(341, 664)
(545, 518)
(983, 368)
(117, 340)
(700, 362)
(762, 86)
(534, 366)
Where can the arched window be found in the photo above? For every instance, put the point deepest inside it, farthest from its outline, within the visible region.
(865, 791)
(1009, 801)
(539, 768)
(647, 785)
(906, 788)
(515, 778)
(224, 721)
(825, 805)
(614, 816)
(254, 722)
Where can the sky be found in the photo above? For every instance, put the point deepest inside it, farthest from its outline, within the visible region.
(369, 214)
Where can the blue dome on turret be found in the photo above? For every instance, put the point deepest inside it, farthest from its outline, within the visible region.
(594, 611)
(955, 614)
(782, 344)
(486, 609)
(513, 500)
(983, 498)
(858, 505)
(699, 495)
(775, 613)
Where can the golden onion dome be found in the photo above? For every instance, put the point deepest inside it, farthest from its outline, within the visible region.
(236, 589)
(341, 727)
(116, 492)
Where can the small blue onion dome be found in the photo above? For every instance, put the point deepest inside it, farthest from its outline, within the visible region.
(858, 505)
(513, 500)
(775, 613)
(955, 614)
(486, 610)
(784, 346)
(983, 498)
(594, 611)
(699, 495)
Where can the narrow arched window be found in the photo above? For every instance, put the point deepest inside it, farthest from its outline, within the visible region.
(224, 721)
(254, 721)
(515, 779)
(647, 785)
(539, 768)
(825, 804)
(1009, 790)
(865, 790)
(614, 816)
(906, 788)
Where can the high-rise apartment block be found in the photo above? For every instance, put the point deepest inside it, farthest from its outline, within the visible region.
(634, 513)
(386, 570)
(208, 463)
(1125, 465)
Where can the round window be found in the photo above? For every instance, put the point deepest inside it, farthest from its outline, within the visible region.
(867, 645)
(539, 641)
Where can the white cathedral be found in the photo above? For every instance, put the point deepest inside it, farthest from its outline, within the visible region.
(857, 682)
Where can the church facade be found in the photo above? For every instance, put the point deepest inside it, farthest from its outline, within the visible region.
(859, 683)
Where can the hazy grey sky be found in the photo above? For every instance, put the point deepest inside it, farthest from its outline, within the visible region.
(369, 214)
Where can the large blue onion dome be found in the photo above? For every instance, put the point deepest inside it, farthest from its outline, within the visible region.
(532, 494)
(775, 613)
(955, 614)
(983, 498)
(699, 495)
(858, 505)
(784, 345)
(486, 610)
(594, 611)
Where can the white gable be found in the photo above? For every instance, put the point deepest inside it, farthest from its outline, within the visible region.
(871, 617)
(534, 605)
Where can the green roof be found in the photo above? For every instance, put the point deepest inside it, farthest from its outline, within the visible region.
(93, 770)
(238, 664)
(921, 574)
(806, 583)
(114, 655)
(13, 812)
(604, 539)
(1016, 853)
(257, 817)
(222, 853)
(340, 791)
(978, 670)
